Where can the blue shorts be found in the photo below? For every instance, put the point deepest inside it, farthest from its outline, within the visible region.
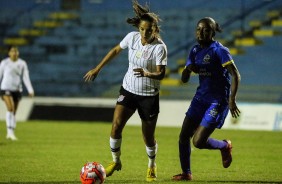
(209, 115)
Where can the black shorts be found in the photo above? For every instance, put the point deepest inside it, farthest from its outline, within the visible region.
(148, 106)
(16, 95)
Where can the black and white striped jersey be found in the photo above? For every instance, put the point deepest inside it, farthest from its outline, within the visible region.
(146, 57)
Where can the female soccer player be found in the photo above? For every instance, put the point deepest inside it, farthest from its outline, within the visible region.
(215, 95)
(13, 70)
(147, 55)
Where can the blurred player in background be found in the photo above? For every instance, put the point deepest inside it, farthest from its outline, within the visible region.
(215, 96)
(13, 70)
(147, 55)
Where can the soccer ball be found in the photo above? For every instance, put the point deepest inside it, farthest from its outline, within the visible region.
(92, 173)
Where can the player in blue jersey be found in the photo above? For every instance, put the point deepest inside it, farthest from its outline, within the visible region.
(215, 96)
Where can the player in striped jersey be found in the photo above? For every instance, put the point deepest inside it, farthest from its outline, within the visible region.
(13, 70)
(215, 96)
(147, 55)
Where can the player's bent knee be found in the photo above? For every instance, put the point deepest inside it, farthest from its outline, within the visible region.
(198, 143)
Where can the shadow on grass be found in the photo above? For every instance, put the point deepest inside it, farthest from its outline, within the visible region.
(239, 181)
(49, 182)
(194, 181)
(44, 182)
(138, 181)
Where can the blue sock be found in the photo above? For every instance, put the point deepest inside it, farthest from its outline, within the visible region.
(215, 144)
(184, 155)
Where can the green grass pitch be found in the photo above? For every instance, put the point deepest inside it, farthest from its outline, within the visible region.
(54, 152)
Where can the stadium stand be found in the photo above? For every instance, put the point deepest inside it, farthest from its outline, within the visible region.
(62, 45)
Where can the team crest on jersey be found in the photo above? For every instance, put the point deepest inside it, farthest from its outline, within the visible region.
(213, 112)
(207, 58)
(138, 54)
(120, 98)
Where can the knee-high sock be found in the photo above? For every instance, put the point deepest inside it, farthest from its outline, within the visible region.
(215, 144)
(115, 145)
(14, 122)
(184, 155)
(10, 121)
(152, 152)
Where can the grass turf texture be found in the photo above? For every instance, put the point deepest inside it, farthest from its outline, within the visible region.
(54, 152)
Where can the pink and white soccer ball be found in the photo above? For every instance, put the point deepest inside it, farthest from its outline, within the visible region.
(92, 173)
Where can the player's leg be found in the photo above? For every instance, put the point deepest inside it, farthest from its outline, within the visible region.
(184, 145)
(190, 124)
(148, 109)
(124, 109)
(148, 130)
(121, 116)
(214, 118)
(202, 140)
(16, 99)
(10, 116)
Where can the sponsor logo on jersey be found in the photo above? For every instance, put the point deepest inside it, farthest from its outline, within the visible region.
(138, 54)
(145, 54)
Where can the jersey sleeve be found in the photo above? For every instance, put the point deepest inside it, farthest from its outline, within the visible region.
(1, 70)
(161, 55)
(126, 40)
(191, 58)
(26, 79)
(224, 56)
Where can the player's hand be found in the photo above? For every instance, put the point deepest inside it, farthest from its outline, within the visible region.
(140, 72)
(91, 75)
(31, 95)
(235, 112)
(185, 76)
(193, 68)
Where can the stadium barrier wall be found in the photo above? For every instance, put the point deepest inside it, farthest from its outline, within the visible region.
(254, 116)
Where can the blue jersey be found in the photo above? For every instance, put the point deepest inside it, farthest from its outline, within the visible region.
(214, 79)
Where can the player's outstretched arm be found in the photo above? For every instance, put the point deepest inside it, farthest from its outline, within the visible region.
(92, 74)
(232, 69)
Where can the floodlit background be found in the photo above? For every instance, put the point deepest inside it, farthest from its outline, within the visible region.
(68, 121)
(61, 40)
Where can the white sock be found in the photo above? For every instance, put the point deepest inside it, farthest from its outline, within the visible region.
(10, 122)
(152, 152)
(14, 123)
(115, 145)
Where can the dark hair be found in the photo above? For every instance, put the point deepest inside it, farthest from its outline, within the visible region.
(143, 13)
(12, 46)
(214, 25)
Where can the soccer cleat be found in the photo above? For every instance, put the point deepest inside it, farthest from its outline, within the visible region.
(151, 174)
(182, 177)
(113, 167)
(11, 137)
(226, 154)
